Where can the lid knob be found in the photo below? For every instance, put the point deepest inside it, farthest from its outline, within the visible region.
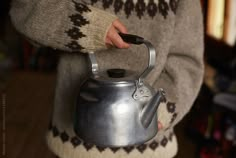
(116, 73)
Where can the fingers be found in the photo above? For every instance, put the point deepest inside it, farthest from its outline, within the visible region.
(113, 38)
(119, 26)
(116, 39)
(108, 42)
(159, 126)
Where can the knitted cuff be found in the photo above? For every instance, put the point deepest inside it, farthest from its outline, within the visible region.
(86, 29)
(99, 23)
(71, 26)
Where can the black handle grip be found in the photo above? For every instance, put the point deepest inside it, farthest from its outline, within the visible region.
(132, 39)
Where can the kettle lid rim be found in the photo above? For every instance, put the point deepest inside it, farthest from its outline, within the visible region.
(114, 81)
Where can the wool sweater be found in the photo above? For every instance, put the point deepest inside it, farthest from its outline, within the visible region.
(75, 27)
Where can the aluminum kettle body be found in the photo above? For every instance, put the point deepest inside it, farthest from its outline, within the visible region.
(112, 118)
(117, 111)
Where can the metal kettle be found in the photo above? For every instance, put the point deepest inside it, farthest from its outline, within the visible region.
(117, 107)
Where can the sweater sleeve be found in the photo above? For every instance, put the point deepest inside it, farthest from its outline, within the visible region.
(69, 25)
(183, 71)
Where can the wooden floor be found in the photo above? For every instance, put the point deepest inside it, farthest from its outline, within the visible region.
(29, 99)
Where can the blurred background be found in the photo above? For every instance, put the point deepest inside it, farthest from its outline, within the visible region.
(28, 75)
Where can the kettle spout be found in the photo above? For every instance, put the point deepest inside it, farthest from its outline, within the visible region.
(150, 109)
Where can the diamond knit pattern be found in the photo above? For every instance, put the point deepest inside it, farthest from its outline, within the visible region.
(64, 137)
(163, 7)
(78, 21)
(76, 141)
(154, 145)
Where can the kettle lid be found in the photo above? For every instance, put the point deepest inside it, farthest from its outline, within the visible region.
(116, 76)
(116, 73)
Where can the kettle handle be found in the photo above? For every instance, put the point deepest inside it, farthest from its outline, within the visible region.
(94, 64)
(151, 62)
(132, 39)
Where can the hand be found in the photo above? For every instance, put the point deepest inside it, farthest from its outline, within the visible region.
(112, 36)
(159, 125)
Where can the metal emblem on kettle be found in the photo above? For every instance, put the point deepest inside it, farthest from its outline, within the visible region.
(117, 108)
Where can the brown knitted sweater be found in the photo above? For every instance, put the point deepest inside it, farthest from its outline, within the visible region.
(174, 27)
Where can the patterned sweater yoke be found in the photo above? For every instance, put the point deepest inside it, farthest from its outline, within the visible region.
(75, 27)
